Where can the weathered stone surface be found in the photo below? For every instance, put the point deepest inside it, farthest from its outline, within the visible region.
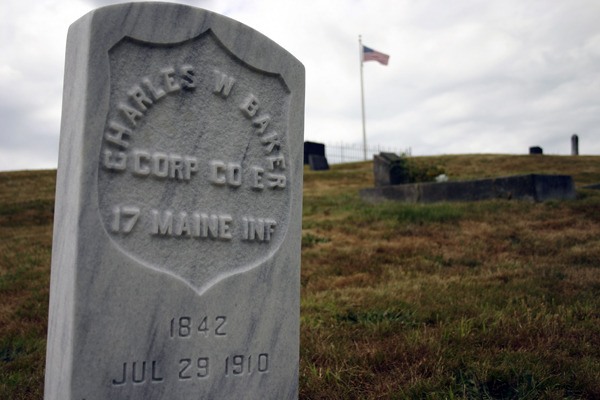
(521, 187)
(389, 169)
(176, 254)
(313, 148)
(318, 163)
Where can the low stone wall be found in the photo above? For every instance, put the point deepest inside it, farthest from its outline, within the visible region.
(520, 187)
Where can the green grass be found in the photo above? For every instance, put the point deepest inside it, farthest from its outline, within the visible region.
(26, 211)
(490, 300)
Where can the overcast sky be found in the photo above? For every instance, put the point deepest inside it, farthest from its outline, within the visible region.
(465, 76)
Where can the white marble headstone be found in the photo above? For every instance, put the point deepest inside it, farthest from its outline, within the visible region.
(176, 255)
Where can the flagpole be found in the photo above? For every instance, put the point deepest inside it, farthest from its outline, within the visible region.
(362, 97)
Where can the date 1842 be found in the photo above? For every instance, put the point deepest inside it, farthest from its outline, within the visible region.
(187, 327)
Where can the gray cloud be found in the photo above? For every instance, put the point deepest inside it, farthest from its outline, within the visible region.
(464, 76)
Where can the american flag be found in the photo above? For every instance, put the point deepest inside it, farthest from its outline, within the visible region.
(373, 55)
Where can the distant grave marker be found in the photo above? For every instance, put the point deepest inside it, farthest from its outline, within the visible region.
(176, 254)
(536, 150)
(389, 169)
(313, 148)
(318, 163)
(574, 145)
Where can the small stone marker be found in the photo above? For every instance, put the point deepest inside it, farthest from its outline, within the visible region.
(176, 254)
(536, 150)
(574, 145)
(318, 163)
(389, 169)
(313, 148)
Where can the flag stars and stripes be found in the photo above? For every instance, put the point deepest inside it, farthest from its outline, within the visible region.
(372, 55)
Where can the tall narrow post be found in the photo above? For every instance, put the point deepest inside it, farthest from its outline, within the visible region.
(362, 97)
(574, 145)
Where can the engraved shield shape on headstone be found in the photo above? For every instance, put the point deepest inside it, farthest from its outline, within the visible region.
(193, 178)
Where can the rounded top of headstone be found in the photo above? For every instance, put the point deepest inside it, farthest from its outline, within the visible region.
(172, 22)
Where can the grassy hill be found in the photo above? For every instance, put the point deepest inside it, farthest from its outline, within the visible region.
(495, 299)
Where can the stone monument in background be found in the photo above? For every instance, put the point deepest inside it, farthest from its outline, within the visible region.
(314, 156)
(176, 254)
(574, 145)
(536, 150)
(389, 169)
